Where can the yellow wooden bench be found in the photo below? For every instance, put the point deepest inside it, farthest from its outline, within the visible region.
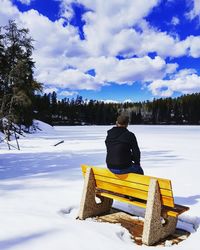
(152, 193)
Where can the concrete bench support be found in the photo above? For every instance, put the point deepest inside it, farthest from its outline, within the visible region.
(89, 207)
(154, 229)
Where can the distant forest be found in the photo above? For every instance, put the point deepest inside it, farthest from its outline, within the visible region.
(180, 110)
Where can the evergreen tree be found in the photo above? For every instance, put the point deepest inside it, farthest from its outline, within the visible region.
(17, 83)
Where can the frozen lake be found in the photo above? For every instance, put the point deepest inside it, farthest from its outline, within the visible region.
(41, 180)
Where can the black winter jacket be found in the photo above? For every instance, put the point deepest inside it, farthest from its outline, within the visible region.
(122, 148)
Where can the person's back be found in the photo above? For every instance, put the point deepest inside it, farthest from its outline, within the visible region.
(123, 153)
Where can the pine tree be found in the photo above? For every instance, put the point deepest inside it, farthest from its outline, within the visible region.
(17, 83)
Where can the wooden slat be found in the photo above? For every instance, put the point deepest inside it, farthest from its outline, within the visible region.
(122, 190)
(122, 182)
(143, 195)
(167, 201)
(141, 204)
(122, 199)
(140, 179)
(133, 184)
(177, 209)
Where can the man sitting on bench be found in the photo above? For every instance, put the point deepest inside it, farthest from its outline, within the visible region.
(123, 153)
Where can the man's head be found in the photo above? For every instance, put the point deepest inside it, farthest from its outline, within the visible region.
(122, 121)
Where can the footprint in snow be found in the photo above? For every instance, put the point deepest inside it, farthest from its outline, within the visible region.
(70, 211)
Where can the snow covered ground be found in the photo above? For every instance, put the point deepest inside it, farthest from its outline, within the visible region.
(41, 186)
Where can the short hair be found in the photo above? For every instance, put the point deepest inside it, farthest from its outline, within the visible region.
(123, 120)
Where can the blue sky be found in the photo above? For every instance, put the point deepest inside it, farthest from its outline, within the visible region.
(114, 50)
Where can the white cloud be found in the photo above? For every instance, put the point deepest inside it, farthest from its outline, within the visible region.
(48, 90)
(110, 101)
(73, 79)
(152, 40)
(7, 11)
(185, 82)
(26, 2)
(68, 93)
(66, 10)
(107, 18)
(194, 46)
(110, 69)
(127, 100)
(109, 30)
(175, 21)
(54, 45)
(195, 11)
(51, 38)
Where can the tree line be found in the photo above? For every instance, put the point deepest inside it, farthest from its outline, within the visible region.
(76, 111)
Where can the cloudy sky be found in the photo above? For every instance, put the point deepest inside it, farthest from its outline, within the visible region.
(112, 49)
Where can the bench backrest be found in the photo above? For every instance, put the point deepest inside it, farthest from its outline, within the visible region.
(134, 185)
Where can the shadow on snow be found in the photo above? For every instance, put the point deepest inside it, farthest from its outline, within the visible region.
(9, 243)
(28, 165)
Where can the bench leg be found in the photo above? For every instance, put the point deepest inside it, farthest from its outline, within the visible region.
(89, 207)
(154, 230)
